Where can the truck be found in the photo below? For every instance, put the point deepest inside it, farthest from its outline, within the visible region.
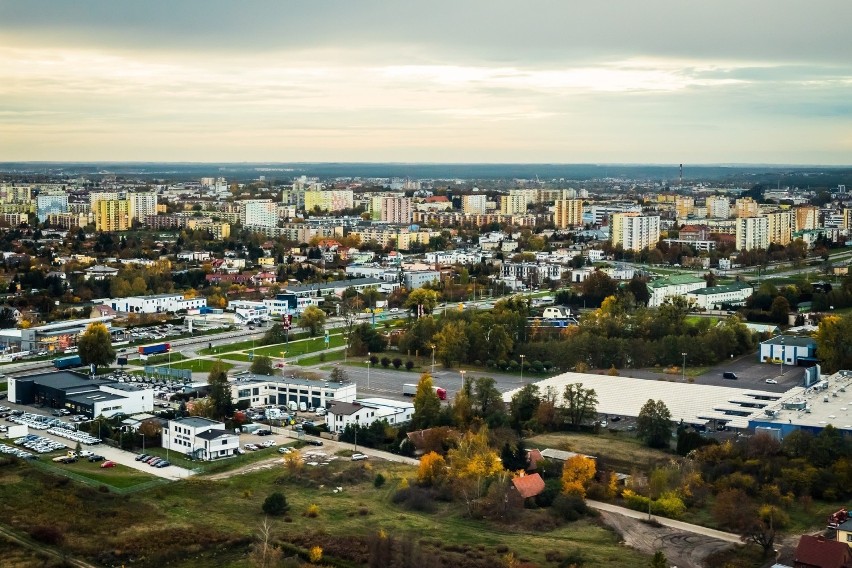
(411, 390)
(837, 518)
(67, 362)
(154, 348)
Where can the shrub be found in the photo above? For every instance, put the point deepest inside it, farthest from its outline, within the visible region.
(47, 534)
(312, 511)
(574, 558)
(315, 554)
(409, 365)
(569, 507)
(374, 360)
(385, 362)
(379, 480)
(552, 488)
(275, 505)
(397, 363)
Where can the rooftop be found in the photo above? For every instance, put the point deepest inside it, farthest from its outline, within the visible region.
(335, 284)
(790, 340)
(196, 422)
(735, 287)
(345, 408)
(213, 434)
(675, 280)
(252, 378)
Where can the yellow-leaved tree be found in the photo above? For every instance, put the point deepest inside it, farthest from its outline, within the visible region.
(472, 463)
(577, 473)
(432, 469)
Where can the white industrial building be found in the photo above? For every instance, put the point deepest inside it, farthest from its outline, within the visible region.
(155, 304)
(365, 412)
(199, 438)
(262, 390)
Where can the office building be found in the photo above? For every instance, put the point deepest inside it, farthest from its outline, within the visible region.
(568, 213)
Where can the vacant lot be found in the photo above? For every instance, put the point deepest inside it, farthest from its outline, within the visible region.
(621, 452)
(200, 522)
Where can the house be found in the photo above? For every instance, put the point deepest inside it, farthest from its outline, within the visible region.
(790, 349)
(844, 532)
(100, 272)
(199, 438)
(101, 310)
(533, 457)
(365, 412)
(817, 552)
(525, 487)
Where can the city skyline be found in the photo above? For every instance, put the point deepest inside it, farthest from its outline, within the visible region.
(568, 82)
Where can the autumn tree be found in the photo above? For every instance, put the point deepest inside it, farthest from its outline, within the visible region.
(422, 297)
(577, 473)
(313, 320)
(95, 346)
(451, 343)
(219, 393)
(580, 405)
(833, 345)
(432, 469)
(427, 405)
(654, 424)
(263, 553)
(471, 464)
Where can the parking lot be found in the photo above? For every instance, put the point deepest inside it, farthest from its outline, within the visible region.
(752, 374)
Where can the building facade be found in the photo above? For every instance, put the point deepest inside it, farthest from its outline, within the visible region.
(635, 232)
(199, 438)
(568, 213)
(752, 233)
(111, 215)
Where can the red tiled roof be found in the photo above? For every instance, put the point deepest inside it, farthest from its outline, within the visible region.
(529, 485)
(818, 552)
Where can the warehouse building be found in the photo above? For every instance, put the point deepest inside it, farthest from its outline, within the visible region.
(262, 390)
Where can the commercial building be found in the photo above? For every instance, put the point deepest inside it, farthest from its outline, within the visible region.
(396, 210)
(155, 304)
(58, 336)
(80, 394)
(715, 297)
(365, 412)
(199, 438)
(635, 232)
(791, 349)
(260, 390)
(111, 215)
(568, 213)
(414, 279)
(677, 285)
(49, 203)
(752, 233)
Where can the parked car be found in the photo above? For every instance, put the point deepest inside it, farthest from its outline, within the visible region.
(108, 464)
(95, 458)
(771, 382)
(141, 457)
(155, 462)
(359, 457)
(164, 463)
(315, 442)
(729, 375)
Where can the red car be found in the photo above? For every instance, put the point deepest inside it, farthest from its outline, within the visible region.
(109, 463)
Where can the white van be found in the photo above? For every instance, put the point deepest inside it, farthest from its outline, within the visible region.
(303, 407)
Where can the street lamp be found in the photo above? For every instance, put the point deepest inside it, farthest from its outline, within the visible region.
(782, 357)
(462, 373)
(433, 360)
(683, 369)
(368, 370)
(522, 368)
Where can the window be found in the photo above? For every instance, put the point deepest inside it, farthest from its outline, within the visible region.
(848, 537)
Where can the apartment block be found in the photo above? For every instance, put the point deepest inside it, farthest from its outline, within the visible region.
(396, 210)
(473, 204)
(780, 227)
(141, 205)
(568, 213)
(334, 200)
(752, 233)
(514, 203)
(634, 232)
(260, 212)
(684, 206)
(718, 207)
(49, 203)
(112, 215)
(745, 207)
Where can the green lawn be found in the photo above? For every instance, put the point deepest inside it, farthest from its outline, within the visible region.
(236, 357)
(219, 466)
(201, 365)
(301, 347)
(158, 360)
(119, 477)
(4, 385)
(317, 359)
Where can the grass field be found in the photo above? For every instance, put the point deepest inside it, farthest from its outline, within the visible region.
(317, 359)
(296, 348)
(200, 522)
(15, 555)
(220, 465)
(158, 360)
(4, 386)
(201, 365)
(236, 357)
(622, 452)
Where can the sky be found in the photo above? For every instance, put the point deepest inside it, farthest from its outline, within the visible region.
(562, 81)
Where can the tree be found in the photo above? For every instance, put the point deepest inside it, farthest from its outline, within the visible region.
(263, 554)
(523, 406)
(427, 406)
(7, 318)
(780, 309)
(262, 365)
(275, 504)
(472, 464)
(313, 320)
(451, 343)
(577, 473)
(833, 345)
(428, 299)
(597, 287)
(432, 469)
(488, 400)
(339, 374)
(275, 334)
(580, 404)
(659, 560)
(654, 424)
(219, 394)
(95, 346)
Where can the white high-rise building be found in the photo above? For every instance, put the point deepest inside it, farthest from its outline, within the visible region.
(396, 210)
(474, 204)
(635, 232)
(141, 205)
(752, 233)
(50, 203)
(718, 207)
(261, 212)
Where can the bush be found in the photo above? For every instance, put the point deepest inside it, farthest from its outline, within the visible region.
(385, 362)
(275, 505)
(47, 534)
(552, 488)
(409, 365)
(574, 558)
(312, 511)
(397, 363)
(379, 480)
(374, 360)
(415, 499)
(569, 507)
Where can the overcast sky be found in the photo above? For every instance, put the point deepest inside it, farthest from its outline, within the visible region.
(644, 81)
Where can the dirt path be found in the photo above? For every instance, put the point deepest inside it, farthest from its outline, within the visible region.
(44, 549)
(682, 549)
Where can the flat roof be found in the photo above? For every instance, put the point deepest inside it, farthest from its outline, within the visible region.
(790, 341)
(250, 378)
(735, 287)
(71, 323)
(92, 397)
(827, 402)
(63, 380)
(335, 284)
(196, 421)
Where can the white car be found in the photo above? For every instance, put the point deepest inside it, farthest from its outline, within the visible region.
(359, 457)
(771, 382)
(268, 444)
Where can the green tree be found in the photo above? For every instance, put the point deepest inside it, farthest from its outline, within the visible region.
(580, 405)
(597, 287)
(427, 406)
(523, 406)
(488, 401)
(422, 297)
(654, 424)
(275, 334)
(659, 560)
(221, 403)
(275, 504)
(339, 375)
(7, 318)
(498, 343)
(313, 320)
(833, 345)
(95, 346)
(780, 310)
(451, 343)
(262, 365)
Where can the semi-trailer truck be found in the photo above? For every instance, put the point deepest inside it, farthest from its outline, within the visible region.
(67, 362)
(154, 348)
(411, 390)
